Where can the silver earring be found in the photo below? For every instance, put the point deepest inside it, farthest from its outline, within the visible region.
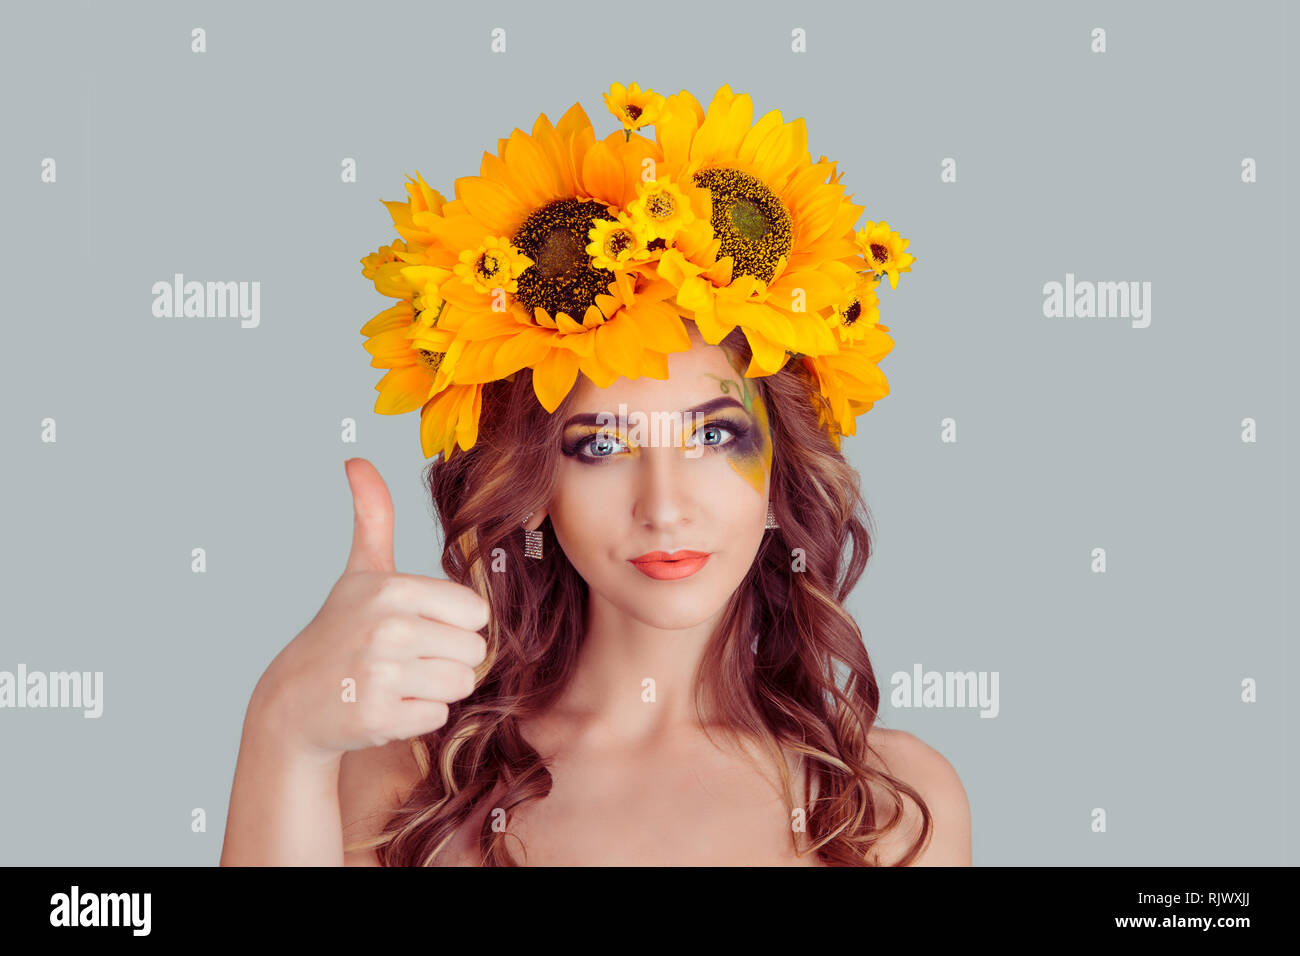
(771, 518)
(532, 540)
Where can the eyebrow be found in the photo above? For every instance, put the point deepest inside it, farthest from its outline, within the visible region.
(590, 418)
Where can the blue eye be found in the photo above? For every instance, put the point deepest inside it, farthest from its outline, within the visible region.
(607, 442)
(710, 429)
(600, 446)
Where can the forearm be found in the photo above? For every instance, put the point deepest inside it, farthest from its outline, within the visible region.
(284, 804)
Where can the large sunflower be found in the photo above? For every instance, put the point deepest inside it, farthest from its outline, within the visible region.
(781, 253)
(525, 290)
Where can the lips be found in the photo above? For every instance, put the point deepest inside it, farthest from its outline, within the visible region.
(663, 566)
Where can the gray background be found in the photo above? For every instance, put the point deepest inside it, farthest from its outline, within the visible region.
(1118, 690)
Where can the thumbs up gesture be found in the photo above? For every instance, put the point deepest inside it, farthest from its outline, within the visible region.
(408, 642)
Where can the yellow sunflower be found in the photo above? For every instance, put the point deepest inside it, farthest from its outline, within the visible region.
(782, 251)
(664, 208)
(619, 245)
(540, 202)
(449, 419)
(858, 311)
(569, 254)
(422, 201)
(632, 106)
(412, 369)
(851, 380)
(884, 250)
(411, 381)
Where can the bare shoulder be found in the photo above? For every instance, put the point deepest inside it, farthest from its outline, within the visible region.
(911, 760)
(372, 784)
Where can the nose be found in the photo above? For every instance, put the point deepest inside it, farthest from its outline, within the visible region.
(667, 488)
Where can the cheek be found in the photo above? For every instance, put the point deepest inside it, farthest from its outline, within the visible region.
(583, 504)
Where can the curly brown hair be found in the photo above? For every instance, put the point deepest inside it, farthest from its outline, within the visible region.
(785, 694)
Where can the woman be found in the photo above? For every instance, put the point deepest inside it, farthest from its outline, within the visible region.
(668, 675)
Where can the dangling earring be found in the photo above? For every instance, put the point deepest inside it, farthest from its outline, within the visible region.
(532, 539)
(771, 518)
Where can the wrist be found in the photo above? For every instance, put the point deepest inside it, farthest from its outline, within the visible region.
(269, 730)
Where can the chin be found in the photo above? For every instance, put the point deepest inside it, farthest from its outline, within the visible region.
(671, 611)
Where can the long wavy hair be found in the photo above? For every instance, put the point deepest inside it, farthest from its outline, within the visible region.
(784, 694)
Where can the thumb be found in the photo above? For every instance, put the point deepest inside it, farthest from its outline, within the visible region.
(372, 528)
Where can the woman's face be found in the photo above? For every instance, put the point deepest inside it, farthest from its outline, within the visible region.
(654, 480)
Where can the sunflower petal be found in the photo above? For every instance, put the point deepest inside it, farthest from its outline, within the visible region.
(660, 327)
(399, 316)
(554, 376)
(601, 375)
(490, 203)
(524, 348)
(532, 169)
(602, 174)
(471, 406)
(768, 357)
(403, 390)
(390, 349)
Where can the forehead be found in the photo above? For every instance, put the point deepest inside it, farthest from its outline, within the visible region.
(694, 377)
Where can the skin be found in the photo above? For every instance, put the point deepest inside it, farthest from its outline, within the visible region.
(634, 781)
(657, 498)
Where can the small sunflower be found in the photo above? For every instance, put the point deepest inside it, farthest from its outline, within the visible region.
(884, 250)
(410, 217)
(419, 357)
(618, 245)
(663, 208)
(632, 106)
(851, 380)
(412, 368)
(494, 265)
(859, 311)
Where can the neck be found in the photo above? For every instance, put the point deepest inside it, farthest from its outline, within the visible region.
(635, 683)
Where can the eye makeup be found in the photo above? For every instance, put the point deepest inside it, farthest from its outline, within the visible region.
(579, 442)
(739, 440)
(753, 459)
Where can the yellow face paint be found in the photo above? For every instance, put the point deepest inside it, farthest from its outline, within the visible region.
(755, 463)
(752, 459)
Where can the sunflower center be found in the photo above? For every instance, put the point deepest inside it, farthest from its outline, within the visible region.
(430, 360)
(852, 312)
(618, 241)
(633, 111)
(660, 206)
(879, 252)
(748, 218)
(488, 265)
(561, 278)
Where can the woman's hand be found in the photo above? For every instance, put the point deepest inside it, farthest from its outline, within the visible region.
(386, 653)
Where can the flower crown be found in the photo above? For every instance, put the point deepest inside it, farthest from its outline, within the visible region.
(569, 254)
